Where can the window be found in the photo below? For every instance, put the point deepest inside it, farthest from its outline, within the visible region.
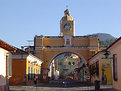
(32, 72)
(69, 63)
(67, 42)
(90, 69)
(38, 72)
(7, 66)
(93, 69)
(73, 63)
(29, 74)
(97, 68)
(115, 75)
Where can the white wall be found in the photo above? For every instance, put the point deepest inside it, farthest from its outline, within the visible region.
(3, 54)
(2, 66)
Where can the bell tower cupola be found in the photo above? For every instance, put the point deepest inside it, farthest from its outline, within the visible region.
(67, 24)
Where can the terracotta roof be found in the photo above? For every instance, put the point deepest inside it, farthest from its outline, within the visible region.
(6, 46)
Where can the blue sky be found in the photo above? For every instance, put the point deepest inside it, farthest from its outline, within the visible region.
(21, 20)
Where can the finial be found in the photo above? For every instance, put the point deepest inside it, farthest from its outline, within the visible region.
(67, 12)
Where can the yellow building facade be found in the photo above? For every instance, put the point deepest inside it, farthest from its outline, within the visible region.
(114, 51)
(25, 67)
(109, 61)
(49, 47)
(100, 68)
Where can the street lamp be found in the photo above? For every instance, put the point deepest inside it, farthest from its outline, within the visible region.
(106, 54)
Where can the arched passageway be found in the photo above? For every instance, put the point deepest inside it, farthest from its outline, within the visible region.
(67, 65)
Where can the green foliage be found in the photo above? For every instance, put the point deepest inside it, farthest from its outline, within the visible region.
(107, 43)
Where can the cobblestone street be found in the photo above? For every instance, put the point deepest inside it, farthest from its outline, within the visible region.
(34, 88)
(55, 86)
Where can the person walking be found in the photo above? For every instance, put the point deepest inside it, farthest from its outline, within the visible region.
(35, 80)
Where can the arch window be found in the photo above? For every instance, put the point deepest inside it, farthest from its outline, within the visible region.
(73, 63)
(67, 42)
(69, 63)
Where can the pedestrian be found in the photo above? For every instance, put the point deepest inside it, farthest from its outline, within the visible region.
(35, 81)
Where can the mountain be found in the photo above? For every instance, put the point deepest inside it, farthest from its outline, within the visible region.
(104, 36)
(105, 39)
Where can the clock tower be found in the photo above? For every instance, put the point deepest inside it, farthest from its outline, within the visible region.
(67, 24)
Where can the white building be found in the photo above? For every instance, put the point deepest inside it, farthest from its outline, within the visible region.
(5, 64)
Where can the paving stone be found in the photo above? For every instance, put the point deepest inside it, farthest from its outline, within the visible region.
(58, 86)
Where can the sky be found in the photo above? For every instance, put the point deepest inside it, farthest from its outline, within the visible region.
(21, 20)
